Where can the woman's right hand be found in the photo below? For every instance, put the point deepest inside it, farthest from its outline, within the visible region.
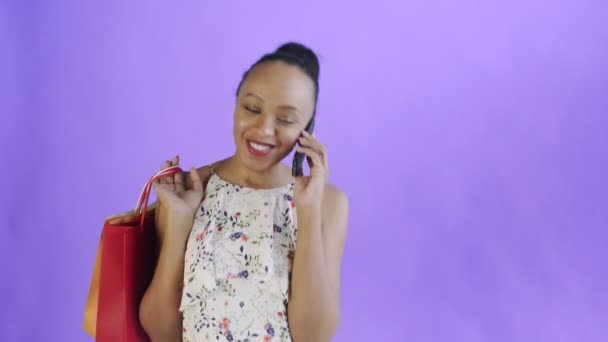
(176, 205)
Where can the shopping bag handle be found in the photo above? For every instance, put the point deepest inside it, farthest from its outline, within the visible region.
(144, 197)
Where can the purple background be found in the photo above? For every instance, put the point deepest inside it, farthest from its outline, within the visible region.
(471, 137)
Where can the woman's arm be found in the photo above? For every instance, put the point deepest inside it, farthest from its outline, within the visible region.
(314, 306)
(159, 308)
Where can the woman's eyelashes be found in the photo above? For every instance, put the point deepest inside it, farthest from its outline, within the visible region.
(252, 109)
(284, 119)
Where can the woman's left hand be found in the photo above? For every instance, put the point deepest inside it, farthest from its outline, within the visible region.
(309, 190)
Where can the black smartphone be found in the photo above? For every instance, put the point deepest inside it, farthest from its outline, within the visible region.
(298, 158)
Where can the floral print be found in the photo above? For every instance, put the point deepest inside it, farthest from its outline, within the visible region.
(238, 264)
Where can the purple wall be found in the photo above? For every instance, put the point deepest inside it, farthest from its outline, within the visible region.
(471, 137)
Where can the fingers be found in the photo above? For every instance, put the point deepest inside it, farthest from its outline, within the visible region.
(309, 141)
(314, 157)
(178, 178)
(166, 183)
(174, 161)
(167, 164)
(197, 183)
(160, 193)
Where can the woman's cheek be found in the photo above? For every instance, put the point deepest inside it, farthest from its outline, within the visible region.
(242, 123)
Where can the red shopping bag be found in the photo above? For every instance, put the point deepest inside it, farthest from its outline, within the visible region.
(124, 265)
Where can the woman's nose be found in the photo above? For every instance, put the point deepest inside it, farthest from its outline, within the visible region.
(265, 124)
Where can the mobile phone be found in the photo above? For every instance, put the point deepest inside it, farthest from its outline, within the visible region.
(298, 158)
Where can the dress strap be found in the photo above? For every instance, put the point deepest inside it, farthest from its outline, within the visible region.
(211, 168)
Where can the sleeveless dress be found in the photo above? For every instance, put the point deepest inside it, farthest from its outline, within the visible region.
(238, 264)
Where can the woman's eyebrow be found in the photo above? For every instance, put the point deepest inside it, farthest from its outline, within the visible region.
(256, 96)
(288, 107)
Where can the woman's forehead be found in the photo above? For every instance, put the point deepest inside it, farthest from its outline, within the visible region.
(280, 82)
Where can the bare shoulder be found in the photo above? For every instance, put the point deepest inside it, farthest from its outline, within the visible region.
(333, 195)
(335, 207)
(204, 172)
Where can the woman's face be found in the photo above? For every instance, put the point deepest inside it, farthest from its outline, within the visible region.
(274, 104)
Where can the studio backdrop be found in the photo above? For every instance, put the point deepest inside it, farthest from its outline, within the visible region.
(470, 137)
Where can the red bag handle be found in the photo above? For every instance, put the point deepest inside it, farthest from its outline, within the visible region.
(144, 197)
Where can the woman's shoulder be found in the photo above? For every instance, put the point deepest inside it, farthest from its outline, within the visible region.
(334, 195)
(204, 172)
(335, 201)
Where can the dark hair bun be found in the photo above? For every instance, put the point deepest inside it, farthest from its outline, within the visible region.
(294, 54)
(304, 55)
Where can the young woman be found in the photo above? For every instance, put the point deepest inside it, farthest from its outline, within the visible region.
(229, 267)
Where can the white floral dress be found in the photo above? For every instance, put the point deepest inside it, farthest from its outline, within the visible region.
(238, 264)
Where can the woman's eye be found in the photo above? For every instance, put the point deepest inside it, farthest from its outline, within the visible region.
(285, 121)
(252, 109)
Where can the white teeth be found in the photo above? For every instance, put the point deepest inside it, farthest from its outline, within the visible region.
(259, 147)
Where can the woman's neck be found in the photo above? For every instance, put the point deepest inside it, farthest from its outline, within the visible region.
(233, 171)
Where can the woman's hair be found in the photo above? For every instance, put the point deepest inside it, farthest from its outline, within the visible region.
(294, 54)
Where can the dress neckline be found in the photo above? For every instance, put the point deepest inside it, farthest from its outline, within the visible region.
(243, 187)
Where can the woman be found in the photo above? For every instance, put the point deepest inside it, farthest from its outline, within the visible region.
(229, 268)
